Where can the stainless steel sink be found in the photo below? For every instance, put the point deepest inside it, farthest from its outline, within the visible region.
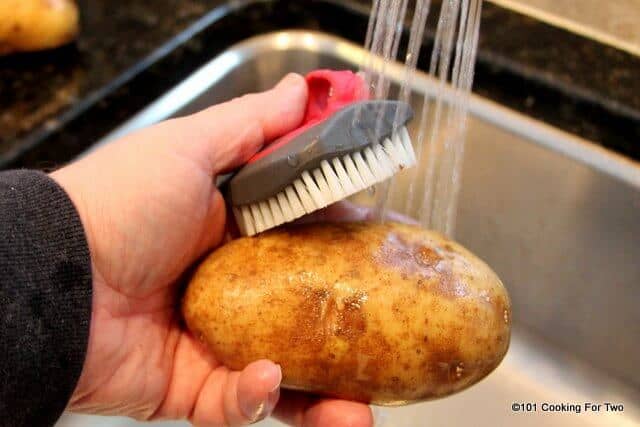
(557, 217)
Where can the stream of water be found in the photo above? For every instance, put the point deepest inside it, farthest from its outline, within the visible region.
(439, 137)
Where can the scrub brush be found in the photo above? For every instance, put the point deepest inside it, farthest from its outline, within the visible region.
(342, 148)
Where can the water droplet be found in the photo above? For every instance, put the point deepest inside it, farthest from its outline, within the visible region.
(292, 160)
(459, 370)
(506, 316)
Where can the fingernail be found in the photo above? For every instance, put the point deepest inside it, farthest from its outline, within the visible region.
(272, 400)
(274, 394)
(278, 370)
(264, 408)
(380, 416)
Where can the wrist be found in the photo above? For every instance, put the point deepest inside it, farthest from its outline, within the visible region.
(65, 179)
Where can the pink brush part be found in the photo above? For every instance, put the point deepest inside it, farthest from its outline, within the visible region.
(329, 91)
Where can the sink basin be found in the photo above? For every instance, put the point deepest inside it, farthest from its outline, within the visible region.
(556, 216)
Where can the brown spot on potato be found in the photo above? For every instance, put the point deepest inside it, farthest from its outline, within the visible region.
(350, 319)
(416, 261)
(401, 255)
(426, 257)
(308, 326)
(354, 274)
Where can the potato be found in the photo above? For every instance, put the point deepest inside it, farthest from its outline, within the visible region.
(381, 313)
(27, 25)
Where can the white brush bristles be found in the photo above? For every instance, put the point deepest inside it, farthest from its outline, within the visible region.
(335, 179)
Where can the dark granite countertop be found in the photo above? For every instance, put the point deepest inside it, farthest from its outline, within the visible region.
(41, 92)
(54, 104)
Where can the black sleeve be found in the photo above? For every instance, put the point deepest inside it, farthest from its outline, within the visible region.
(45, 299)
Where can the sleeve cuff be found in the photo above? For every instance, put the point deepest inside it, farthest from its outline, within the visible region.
(45, 298)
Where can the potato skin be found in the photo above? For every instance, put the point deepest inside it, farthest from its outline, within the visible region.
(28, 25)
(381, 313)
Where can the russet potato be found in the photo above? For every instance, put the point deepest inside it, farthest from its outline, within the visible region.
(28, 25)
(382, 313)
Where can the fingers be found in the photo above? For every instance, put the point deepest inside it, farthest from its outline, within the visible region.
(301, 410)
(231, 398)
(192, 367)
(252, 394)
(211, 395)
(338, 413)
(226, 135)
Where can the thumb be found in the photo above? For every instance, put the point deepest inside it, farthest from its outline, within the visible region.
(225, 136)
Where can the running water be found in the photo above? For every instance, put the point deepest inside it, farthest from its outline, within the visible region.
(421, 12)
(433, 184)
(382, 41)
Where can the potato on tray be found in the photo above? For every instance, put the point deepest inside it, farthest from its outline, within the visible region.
(29, 25)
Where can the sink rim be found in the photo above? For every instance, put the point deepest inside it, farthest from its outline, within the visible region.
(534, 131)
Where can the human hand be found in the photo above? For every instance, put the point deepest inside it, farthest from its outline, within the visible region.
(150, 209)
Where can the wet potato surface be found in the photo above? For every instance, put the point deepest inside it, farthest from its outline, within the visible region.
(381, 313)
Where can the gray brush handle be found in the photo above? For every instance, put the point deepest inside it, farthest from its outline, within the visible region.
(334, 137)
